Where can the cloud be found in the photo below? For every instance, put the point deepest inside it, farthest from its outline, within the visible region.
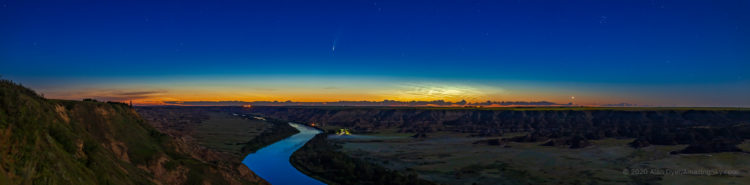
(115, 95)
(138, 93)
(435, 91)
(264, 89)
(207, 103)
(623, 104)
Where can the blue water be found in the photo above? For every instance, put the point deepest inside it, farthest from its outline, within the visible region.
(272, 162)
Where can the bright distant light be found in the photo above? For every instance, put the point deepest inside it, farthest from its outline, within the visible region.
(440, 91)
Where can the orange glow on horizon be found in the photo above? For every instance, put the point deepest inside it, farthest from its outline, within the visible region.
(179, 100)
(325, 90)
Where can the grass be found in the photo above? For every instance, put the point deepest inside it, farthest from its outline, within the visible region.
(226, 133)
(453, 159)
(41, 147)
(277, 131)
(85, 142)
(319, 159)
(745, 146)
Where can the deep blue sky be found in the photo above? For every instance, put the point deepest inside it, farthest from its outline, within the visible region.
(649, 43)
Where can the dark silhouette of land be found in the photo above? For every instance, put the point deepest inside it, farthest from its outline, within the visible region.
(110, 142)
(368, 103)
(537, 145)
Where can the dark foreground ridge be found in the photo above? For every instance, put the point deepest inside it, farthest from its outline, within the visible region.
(86, 142)
(706, 130)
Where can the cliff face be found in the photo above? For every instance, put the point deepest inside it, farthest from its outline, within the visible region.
(651, 126)
(71, 142)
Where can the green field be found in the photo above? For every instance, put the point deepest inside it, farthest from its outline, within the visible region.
(451, 158)
(226, 133)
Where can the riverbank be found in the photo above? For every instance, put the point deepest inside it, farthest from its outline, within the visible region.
(279, 130)
(321, 160)
(459, 158)
(272, 162)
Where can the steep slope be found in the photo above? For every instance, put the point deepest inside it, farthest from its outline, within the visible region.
(71, 142)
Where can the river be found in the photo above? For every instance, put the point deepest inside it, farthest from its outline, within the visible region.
(272, 162)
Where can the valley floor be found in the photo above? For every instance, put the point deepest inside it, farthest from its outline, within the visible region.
(227, 133)
(452, 158)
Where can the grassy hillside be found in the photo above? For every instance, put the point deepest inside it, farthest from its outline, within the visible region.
(72, 142)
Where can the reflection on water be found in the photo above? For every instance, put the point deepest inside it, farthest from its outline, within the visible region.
(272, 162)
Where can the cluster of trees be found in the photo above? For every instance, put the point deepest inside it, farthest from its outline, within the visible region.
(707, 129)
(320, 159)
(700, 139)
(279, 131)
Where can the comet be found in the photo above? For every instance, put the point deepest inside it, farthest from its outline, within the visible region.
(333, 47)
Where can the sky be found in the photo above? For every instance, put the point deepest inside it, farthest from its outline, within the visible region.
(646, 52)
